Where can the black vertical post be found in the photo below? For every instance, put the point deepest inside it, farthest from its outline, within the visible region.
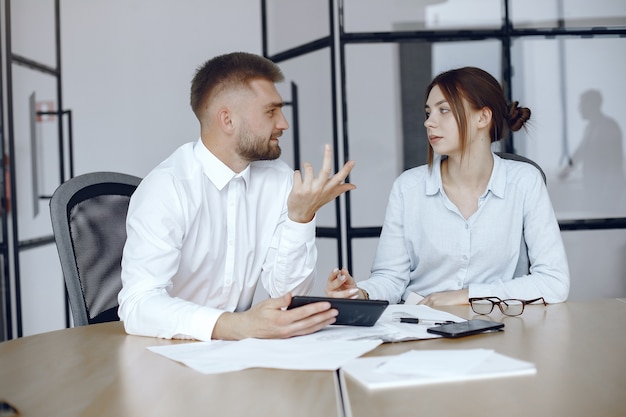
(264, 28)
(507, 68)
(296, 125)
(333, 73)
(13, 185)
(6, 316)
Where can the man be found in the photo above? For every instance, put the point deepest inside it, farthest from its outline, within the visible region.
(222, 213)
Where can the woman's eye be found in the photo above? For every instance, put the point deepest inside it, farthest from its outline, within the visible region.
(444, 110)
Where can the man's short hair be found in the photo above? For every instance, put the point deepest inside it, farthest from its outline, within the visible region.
(233, 70)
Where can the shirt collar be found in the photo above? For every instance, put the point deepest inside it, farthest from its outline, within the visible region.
(433, 183)
(217, 172)
(497, 181)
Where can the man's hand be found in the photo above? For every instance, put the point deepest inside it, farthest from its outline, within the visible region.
(340, 284)
(310, 193)
(270, 319)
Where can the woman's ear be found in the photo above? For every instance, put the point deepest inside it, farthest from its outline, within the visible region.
(484, 117)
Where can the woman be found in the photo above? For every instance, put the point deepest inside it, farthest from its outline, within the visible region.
(467, 223)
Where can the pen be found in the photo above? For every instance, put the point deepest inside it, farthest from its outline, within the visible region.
(415, 320)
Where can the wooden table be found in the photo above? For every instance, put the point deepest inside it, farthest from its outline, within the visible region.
(578, 348)
(98, 370)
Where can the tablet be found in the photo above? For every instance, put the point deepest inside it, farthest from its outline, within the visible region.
(352, 312)
(466, 328)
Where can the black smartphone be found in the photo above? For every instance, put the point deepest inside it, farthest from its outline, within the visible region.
(351, 312)
(466, 328)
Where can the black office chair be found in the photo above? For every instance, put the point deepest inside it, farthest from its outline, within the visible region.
(88, 214)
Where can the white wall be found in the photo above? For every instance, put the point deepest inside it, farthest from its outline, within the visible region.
(127, 68)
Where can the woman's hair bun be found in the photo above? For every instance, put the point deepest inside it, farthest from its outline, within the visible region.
(517, 116)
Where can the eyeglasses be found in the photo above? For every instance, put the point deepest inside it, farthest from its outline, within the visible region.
(508, 307)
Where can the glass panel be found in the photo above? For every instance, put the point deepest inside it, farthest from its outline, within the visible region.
(43, 293)
(311, 74)
(363, 252)
(326, 262)
(482, 54)
(33, 31)
(292, 23)
(597, 263)
(374, 129)
(397, 15)
(569, 14)
(578, 116)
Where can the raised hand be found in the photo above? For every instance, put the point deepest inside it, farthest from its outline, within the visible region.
(310, 193)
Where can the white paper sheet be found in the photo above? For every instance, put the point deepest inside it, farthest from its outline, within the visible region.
(327, 349)
(294, 353)
(388, 327)
(435, 363)
(417, 368)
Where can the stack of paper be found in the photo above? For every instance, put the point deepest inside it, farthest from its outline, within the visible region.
(433, 366)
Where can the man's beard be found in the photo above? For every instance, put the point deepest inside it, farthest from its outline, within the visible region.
(256, 148)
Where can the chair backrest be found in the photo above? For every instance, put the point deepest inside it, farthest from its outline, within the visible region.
(88, 214)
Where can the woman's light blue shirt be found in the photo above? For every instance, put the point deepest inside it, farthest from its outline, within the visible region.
(427, 246)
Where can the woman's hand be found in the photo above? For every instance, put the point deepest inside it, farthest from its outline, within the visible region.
(341, 285)
(446, 298)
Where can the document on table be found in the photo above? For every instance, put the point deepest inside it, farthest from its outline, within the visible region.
(388, 328)
(327, 349)
(418, 367)
(294, 353)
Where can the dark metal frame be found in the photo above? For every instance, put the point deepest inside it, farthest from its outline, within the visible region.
(505, 34)
(11, 246)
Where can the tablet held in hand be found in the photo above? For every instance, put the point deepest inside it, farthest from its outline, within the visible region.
(351, 312)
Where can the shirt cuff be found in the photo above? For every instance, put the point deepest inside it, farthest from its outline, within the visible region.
(371, 290)
(203, 322)
(295, 231)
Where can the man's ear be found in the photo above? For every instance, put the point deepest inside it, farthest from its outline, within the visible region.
(225, 120)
